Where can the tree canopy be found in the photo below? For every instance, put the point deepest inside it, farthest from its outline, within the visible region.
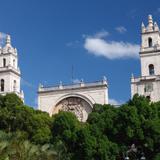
(109, 133)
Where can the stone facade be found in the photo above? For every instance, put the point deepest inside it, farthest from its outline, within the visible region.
(148, 84)
(10, 74)
(77, 98)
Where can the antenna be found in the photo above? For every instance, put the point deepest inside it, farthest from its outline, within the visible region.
(72, 73)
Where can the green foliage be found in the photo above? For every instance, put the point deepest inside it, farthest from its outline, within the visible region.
(157, 157)
(79, 141)
(64, 122)
(108, 133)
(136, 122)
(13, 146)
(15, 116)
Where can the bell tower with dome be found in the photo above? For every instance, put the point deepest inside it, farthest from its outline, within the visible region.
(148, 84)
(10, 75)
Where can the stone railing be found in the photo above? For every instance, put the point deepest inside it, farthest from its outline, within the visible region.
(149, 49)
(156, 77)
(72, 86)
(10, 67)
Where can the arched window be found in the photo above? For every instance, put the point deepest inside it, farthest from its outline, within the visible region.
(151, 69)
(148, 87)
(2, 85)
(14, 85)
(148, 97)
(150, 42)
(4, 62)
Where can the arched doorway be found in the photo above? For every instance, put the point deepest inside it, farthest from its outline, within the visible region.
(75, 104)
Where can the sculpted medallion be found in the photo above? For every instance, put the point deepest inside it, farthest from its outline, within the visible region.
(76, 105)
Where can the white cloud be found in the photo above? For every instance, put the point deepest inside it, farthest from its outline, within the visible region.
(101, 34)
(73, 44)
(111, 49)
(121, 29)
(115, 102)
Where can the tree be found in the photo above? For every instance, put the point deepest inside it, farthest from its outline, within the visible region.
(13, 146)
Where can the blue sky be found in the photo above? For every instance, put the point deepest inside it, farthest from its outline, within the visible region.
(97, 37)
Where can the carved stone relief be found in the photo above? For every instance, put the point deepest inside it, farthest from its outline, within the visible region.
(76, 105)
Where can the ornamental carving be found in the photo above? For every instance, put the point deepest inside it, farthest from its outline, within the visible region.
(76, 105)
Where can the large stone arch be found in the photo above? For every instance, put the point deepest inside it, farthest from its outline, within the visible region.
(78, 104)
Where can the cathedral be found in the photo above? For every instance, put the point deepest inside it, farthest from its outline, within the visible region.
(79, 98)
(10, 74)
(148, 84)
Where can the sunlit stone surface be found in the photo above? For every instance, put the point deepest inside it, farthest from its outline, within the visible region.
(76, 98)
(148, 84)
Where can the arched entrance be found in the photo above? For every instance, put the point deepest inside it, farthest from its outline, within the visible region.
(78, 105)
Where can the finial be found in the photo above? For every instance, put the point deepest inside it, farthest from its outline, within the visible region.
(15, 50)
(60, 85)
(104, 81)
(132, 76)
(8, 39)
(40, 85)
(156, 28)
(150, 19)
(104, 78)
(142, 25)
(82, 81)
(143, 29)
(150, 23)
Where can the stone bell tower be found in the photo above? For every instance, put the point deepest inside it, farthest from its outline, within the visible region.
(10, 75)
(148, 84)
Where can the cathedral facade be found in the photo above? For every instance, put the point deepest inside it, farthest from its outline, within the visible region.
(76, 98)
(148, 84)
(79, 98)
(10, 75)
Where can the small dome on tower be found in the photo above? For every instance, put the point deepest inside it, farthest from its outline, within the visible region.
(150, 19)
(8, 47)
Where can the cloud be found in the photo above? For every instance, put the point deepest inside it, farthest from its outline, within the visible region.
(115, 102)
(111, 49)
(73, 44)
(103, 33)
(121, 29)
